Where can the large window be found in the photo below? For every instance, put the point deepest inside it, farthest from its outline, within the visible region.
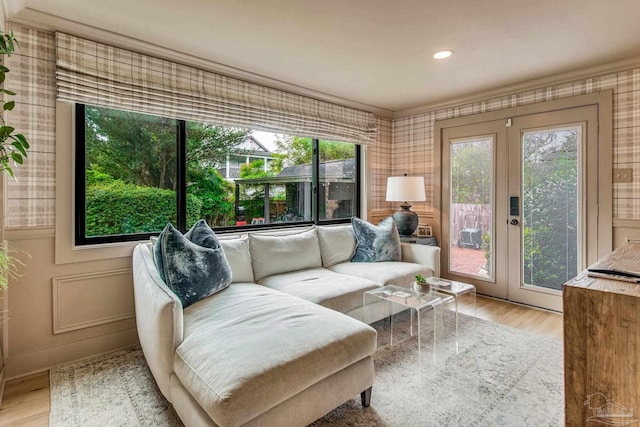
(136, 172)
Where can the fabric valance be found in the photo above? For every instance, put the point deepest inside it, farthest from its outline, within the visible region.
(98, 74)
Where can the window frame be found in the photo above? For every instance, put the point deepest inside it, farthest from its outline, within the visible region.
(80, 198)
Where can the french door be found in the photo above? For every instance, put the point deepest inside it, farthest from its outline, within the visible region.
(474, 188)
(556, 198)
(520, 203)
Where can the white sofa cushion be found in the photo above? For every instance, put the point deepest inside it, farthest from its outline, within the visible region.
(279, 254)
(237, 252)
(251, 348)
(337, 244)
(329, 289)
(384, 273)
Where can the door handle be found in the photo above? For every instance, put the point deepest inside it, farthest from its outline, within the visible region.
(514, 222)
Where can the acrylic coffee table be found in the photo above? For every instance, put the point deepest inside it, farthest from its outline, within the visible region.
(406, 298)
(456, 290)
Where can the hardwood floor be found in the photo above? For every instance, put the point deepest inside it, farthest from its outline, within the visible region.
(26, 400)
(537, 321)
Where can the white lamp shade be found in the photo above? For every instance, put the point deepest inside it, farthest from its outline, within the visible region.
(405, 189)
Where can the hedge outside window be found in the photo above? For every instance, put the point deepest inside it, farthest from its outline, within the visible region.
(136, 172)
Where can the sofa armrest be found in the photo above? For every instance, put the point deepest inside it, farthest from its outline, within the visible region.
(159, 318)
(429, 256)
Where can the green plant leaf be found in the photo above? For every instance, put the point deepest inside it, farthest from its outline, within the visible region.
(8, 106)
(20, 137)
(5, 131)
(8, 92)
(9, 171)
(4, 69)
(16, 157)
(10, 46)
(19, 147)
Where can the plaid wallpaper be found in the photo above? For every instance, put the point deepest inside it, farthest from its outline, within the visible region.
(413, 139)
(403, 145)
(31, 198)
(379, 164)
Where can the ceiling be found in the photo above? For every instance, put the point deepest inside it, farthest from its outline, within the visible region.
(374, 52)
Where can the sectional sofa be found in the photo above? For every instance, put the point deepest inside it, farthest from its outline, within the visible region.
(284, 344)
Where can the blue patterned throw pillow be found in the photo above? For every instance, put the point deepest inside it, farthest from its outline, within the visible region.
(192, 265)
(376, 243)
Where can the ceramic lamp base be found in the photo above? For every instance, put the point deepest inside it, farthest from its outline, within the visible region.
(406, 220)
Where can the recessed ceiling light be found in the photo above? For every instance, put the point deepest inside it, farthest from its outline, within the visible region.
(441, 54)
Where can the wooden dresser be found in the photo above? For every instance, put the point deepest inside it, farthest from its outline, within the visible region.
(602, 346)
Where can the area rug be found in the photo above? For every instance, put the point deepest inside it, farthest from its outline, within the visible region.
(500, 377)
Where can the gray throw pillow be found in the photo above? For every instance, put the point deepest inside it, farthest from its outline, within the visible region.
(376, 243)
(192, 265)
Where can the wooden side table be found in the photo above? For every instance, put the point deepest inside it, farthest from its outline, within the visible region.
(602, 348)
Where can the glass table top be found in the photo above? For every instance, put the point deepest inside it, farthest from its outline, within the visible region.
(406, 297)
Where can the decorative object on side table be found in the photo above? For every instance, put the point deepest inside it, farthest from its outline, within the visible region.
(421, 284)
(406, 189)
(424, 231)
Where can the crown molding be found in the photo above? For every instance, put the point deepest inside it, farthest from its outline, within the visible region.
(552, 80)
(24, 15)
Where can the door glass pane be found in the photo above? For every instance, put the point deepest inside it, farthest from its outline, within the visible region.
(550, 206)
(472, 183)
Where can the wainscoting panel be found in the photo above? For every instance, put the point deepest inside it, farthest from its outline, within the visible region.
(86, 300)
(625, 231)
